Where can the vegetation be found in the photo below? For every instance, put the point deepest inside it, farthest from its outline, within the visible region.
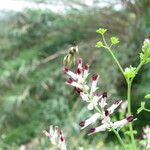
(33, 44)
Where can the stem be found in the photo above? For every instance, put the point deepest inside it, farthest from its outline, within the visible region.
(129, 97)
(114, 57)
(129, 113)
(119, 138)
(103, 38)
(138, 68)
(148, 110)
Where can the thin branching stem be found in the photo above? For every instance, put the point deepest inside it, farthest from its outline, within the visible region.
(119, 138)
(129, 113)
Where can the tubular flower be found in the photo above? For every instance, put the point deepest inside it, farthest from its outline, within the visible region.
(115, 125)
(78, 79)
(146, 137)
(95, 101)
(89, 121)
(56, 137)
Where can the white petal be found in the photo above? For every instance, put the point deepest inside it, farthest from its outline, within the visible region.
(91, 120)
(95, 100)
(120, 124)
(80, 63)
(113, 107)
(103, 127)
(72, 75)
(95, 79)
(84, 96)
(86, 71)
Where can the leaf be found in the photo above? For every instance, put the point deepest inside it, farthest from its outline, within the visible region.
(147, 96)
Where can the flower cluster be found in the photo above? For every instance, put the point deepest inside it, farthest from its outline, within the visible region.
(56, 137)
(145, 55)
(98, 102)
(130, 72)
(146, 137)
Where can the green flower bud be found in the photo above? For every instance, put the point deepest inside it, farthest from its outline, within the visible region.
(130, 72)
(114, 40)
(101, 31)
(99, 44)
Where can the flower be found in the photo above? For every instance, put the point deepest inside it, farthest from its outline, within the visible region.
(56, 137)
(145, 54)
(115, 125)
(95, 101)
(130, 72)
(77, 79)
(101, 31)
(103, 98)
(123, 106)
(146, 137)
(146, 45)
(92, 119)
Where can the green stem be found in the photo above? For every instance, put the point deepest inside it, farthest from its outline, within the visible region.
(103, 38)
(129, 113)
(137, 69)
(139, 66)
(119, 138)
(115, 59)
(148, 110)
(129, 97)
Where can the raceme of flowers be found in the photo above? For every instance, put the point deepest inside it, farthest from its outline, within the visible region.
(56, 137)
(78, 80)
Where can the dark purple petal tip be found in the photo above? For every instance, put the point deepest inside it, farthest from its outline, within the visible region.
(79, 71)
(66, 69)
(104, 94)
(86, 67)
(117, 102)
(80, 61)
(62, 139)
(92, 130)
(106, 113)
(70, 80)
(95, 76)
(130, 118)
(82, 123)
(78, 90)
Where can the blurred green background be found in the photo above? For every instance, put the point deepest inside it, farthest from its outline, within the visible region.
(34, 38)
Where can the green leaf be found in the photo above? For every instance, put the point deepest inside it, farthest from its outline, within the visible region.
(99, 44)
(147, 96)
(114, 40)
(101, 31)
